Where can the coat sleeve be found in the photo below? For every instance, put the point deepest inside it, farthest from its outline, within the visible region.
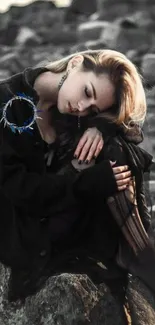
(32, 190)
(143, 208)
(95, 182)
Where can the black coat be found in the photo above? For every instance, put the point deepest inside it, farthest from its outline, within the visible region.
(43, 214)
(35, 204)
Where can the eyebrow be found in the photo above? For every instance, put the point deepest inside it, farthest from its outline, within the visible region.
(94, 91)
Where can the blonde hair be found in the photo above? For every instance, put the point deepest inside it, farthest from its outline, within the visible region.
(130, 100)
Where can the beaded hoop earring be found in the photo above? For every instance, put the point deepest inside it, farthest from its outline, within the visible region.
(64, 77)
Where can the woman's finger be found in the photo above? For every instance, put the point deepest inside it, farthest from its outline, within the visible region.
(88, 150)
(99, 148)
(80, 145)
(123, 181)
(120, 169)
(123, 175)
(121, 188)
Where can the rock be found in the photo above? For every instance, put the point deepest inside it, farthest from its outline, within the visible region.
(27, 36)
(4, 73)
(80, 7)
(124, 39)
(73, 299)
(152, 187)
(121, 8)
(91, 30)
(96, 45)
(149, 126)
(65, 299)
(139, 18)
(8, 35)
(136, 55)
(141, 302)
(11, 62)
(34, 7)
(148, 68)
(59, 37)
(112, 10)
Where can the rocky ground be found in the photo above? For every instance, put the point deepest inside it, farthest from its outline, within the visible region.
(34, 35)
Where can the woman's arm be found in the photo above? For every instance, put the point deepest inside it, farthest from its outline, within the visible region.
(37, 192)
(124, 206)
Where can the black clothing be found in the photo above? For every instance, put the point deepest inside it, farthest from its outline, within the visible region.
(37, 205)
(41, 217)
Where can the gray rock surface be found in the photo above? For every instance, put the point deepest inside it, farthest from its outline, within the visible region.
(73, 299)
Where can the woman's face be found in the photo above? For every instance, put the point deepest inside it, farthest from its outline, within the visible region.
(83, 92)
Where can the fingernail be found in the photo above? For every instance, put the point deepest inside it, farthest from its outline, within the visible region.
(79, 162)
(87, 162)
(75, 156)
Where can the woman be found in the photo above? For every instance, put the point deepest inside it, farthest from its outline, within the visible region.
(121, 100)
(31, 197)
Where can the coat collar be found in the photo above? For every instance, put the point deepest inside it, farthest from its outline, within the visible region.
(29, 76)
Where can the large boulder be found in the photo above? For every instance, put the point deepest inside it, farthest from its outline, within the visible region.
(73, 299)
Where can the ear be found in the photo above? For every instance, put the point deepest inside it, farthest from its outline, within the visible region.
(76, 61)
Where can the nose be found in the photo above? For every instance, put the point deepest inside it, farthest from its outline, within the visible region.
(81, 106)
(84, 105)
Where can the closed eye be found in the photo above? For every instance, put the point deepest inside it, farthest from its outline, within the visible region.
(87, 92)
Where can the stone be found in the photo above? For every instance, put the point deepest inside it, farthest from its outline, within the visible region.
(80, 7)
(91, 30)
(113, 9)
(11, 62)
(96, 45)
(141, 302)
(73, 299)
(139, 18)
(124, 39)
(121, 8)
(58, 36)
(65, 299)
(148, 68)
(26, 36)
(4, 74)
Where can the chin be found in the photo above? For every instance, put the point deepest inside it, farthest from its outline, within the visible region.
(60, 109)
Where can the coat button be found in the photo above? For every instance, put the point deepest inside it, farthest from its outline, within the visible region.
(43, 220)
(37, 144)
(43, 253)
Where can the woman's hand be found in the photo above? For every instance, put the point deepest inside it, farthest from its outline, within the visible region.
(89, 145)
(122, 175)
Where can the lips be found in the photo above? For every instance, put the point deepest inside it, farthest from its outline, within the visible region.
(71, 110)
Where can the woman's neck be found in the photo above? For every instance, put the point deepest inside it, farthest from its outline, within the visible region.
(44, 123)
(46, 86)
